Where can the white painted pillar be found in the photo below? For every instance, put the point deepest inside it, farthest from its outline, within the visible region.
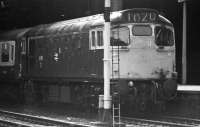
(107, 66)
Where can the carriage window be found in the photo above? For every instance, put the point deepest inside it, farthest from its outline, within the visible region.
(7, 53)
(164, 36)
(12, 52)
(142, 30)
(120, 36)
(96, 39)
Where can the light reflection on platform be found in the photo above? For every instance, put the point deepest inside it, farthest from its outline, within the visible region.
(188, 88)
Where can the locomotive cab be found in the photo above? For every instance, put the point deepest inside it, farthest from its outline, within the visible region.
(10, 47)
(143, 47)
(147, 67)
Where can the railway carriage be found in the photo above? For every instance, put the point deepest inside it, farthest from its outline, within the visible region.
(10, 67)
(63, 61)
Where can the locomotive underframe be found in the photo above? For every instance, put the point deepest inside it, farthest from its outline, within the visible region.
(142, 96)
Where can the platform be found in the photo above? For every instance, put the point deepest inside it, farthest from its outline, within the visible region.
(188, 88)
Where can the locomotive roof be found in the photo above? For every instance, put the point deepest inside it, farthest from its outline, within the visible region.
(84, 23)
(81, 24)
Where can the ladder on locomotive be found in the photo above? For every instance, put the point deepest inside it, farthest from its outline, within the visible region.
(116, 115)
(116, 110)
(115, 63)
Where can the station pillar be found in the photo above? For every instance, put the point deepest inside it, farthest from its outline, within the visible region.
(107, 117)
(100, 107)
(184, 42)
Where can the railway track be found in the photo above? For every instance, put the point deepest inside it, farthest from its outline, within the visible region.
(7, 123)
(12, 119)
(183, 120)
(164, 122)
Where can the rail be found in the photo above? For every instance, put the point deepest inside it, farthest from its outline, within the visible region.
(131, 122)
(24, 120)
(184, 120)
(13, 119)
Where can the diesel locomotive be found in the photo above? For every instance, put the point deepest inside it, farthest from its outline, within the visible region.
(63, 61)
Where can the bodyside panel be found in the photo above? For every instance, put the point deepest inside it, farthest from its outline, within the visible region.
(65, 57)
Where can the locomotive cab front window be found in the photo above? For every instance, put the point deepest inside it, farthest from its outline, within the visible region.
(142, 30)
(120, 36)
(7, 53)
(164, 36)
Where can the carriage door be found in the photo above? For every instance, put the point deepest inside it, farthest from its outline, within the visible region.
(31, 57)
(23, 58)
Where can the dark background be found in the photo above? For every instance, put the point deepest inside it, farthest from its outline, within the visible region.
(26, 13)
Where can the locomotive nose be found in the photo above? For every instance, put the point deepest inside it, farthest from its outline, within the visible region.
(169, 88)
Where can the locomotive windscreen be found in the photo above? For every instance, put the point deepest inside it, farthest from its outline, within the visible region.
(120, 36)
(164, 36)
(142, 30)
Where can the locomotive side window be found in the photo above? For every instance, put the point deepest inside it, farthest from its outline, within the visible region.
(99, 38)
(7, 53)
(142, 30)
(96, 39)
(93, 39)
(164, 36)
(120, 36)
